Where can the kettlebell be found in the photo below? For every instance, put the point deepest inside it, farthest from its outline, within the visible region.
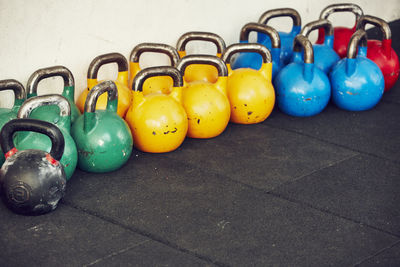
(32, 140)
(102, 137)
(286, 37)
(198, 72)
(206, 104)
(49, 113)
(7, 114)
(341, 34)
(255, 60)
(124, 94)
(158, 121)
(357, 82)
(250, 92)
(381, 52)
(153, 84)
(32, 181)
(324, 55)
(302, 88)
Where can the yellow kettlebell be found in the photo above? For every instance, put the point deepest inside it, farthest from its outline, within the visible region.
(124, 94)
(161, 84)
(206, 103)
(158, 121)
(250, 92)
(200, 72)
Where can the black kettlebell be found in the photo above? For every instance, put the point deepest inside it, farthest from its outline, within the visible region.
(32, 181)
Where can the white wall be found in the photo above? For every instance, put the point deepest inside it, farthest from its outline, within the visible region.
(41, 33)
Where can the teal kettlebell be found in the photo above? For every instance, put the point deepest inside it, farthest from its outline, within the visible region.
(33, 140)
(48, 112)
(103, 138)
(7, 114)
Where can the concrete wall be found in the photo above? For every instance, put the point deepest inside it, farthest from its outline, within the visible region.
(42, 33)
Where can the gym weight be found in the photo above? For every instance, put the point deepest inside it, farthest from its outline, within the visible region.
(7, 114)
(50, 113)
(158, 121)
(324, 55)
(250, 92)
(381, 52)
(286, 37)
(357, 82)
(153, 84)
(302, 88)
(206, 104)
(199, 72)
(124, 94)
(32, 140)
(32, 181)
(342, 35)
(102, 137)
(255, 60)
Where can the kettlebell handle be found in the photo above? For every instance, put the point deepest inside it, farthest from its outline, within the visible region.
(168, 50)
(281, 12)
(44, 73)
(299, 42)
(32, 125)
(378, 22)
(97, 90)
(314, 25)
(101, 60)
(245, 47)
(359, 38)
(203, 59)
(44, 100)
(146, 73)
(201, 36)
(15, 86)
(353, 8)
(262, 28)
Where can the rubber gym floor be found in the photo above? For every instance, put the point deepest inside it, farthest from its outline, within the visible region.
(315, 191)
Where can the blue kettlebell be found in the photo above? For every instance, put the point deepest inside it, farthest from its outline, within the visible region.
(324, 55)
(302, 88)
(357, 82)
(255, 60)
(286, 37)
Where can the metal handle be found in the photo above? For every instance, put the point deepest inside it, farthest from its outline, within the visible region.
(45, 100)
(258, 27)
(346, 7)
(378, 22)
(359, 38)
(201, 36)
(314, 25)
(32, 125)
(144, 74)
(300, 41)
(168, 50)
(96, 91)
(281, 12)
(101, 60)
(15, 86)
(44, 73)
(203, 59)
(244, 47)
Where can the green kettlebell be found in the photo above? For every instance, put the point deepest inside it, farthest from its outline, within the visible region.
(48, 112)
(33, 140)
(7, 114)
(103, 138)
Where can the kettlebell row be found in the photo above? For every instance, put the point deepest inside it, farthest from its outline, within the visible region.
(154, 109)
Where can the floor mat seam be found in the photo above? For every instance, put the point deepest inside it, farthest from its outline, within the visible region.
(146, 234)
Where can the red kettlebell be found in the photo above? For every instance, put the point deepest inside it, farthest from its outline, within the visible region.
(341, 35)
(381, 52)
